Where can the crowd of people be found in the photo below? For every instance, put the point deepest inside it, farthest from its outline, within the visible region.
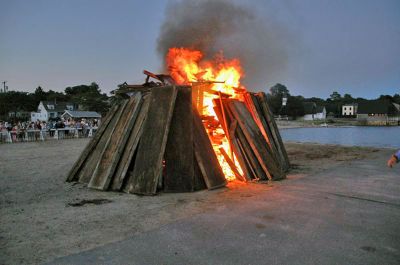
(20, 131)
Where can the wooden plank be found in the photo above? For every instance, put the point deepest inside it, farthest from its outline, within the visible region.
(73, 173)
(232, 135)
(243, 150)
(87, 171)
(231, 165)
(255, 139)
(252, 173)
(251, 106)
(199, 183)
(106, 165)
(127, 157)
(255, 110)
(205, 155)
(243, 162)
(262, 100)
(148, 163)
(249, 156)
(179, 169)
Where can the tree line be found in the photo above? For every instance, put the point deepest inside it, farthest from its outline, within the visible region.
(295, 104)
(88, 97)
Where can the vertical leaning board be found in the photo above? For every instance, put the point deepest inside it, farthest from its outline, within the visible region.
(73, 174)
(148, 164)
(87, 170)
(256, 140)
(113, 149)
(269, 117)
(131, 146)
(205, 155)
(179, 163)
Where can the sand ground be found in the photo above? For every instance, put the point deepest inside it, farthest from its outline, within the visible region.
(42, 217)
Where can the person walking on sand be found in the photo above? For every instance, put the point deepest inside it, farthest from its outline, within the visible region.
(395, 158)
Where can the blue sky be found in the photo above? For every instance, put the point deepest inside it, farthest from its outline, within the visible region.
(349, 46)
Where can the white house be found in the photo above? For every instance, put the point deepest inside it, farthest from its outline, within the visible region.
(51, 110)
(349, 109)
(320, 113)
(313, 112)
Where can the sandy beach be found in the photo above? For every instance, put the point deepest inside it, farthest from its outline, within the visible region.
(43, 218)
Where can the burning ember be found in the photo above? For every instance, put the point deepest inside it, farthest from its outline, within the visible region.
(212, 79)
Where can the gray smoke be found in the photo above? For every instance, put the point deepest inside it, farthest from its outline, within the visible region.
(215, 25)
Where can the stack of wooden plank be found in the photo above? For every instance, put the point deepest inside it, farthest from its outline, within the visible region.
(153, 140)
(253, 136)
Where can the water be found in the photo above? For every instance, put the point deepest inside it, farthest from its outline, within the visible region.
(351, 136)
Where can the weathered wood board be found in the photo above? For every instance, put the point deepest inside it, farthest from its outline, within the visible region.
(205, 155)
(199, 183)
(249, 156)
(256, 140)
(148, 163)
(131, 146)
(105, 168)
(87, 170)
(179, 164)
(252, 106)
(257, 114)
(243, 151)
(231, 126)
(73, 174)
(232, 165)
(262, 100)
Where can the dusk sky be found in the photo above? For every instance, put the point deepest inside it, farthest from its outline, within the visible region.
(348, 46)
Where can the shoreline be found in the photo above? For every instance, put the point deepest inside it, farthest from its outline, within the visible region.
(323, 124)
(340, 145)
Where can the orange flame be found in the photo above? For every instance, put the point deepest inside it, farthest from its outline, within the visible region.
(187, 66)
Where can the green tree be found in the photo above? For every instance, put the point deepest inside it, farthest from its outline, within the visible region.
(277, 92)
(294, 107)
(14, 101)
(89, 97)
(39, 95)
(386, 97)
(396, 98)
(335, 96)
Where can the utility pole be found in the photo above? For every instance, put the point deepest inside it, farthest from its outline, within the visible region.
(4, 87)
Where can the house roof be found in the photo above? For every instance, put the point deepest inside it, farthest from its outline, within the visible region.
(82, 114)
(58, 106)
(310, 108)
(375, 107)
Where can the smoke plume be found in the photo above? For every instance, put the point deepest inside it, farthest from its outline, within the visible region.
(220, 25)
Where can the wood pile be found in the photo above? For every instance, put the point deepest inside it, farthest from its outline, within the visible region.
(153, 140)
(156, 140)
(254, 136)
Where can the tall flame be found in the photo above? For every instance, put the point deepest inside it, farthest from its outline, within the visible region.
(187, 66)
